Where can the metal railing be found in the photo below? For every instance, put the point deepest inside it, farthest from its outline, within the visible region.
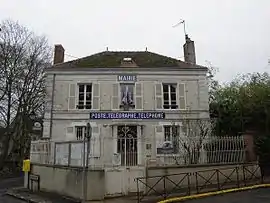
(112, 152)
(182, 184)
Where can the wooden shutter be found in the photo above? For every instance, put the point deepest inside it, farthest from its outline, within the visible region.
(95, 142)
(70, 134)
(115, 96)
(182, 96)
(96, 96)
(72, 97)
(139, 96)
(159, 135)
(158, 96)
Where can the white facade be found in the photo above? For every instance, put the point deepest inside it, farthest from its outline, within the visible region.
(62, 121)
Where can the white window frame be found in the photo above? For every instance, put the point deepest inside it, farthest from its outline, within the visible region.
(84, 101)
(83, 131)
(171, 136)
(169, 95)
(126, 84)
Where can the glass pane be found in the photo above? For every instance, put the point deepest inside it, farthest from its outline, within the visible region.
(166, 96)
(81, 105)
(81, 88)
(88, 95)
(167, 133)
(166, 102)
(173, 97)
(165, 88)
(127, 93)
(88, 105)
(173, 88)
(88, 88)
(81, 96)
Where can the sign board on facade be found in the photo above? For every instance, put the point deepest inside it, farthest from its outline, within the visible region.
(167, 148)
(127, 78)
(127, 115)
(37, 126)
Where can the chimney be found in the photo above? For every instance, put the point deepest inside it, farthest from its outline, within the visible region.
(59, 53)
(189, 51)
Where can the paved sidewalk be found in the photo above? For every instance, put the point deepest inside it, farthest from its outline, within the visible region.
(38, 197)
(45, 197)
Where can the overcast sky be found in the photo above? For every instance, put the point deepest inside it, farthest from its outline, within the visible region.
(234, 35)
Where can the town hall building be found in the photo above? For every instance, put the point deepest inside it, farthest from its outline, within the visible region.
(135, 102)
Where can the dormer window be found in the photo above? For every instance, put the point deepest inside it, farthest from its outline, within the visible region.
(127, 59)
(128, 62)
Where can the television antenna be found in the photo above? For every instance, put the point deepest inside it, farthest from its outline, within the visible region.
(179, 23)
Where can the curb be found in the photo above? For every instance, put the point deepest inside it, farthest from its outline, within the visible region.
(12, 194)
(208, 194)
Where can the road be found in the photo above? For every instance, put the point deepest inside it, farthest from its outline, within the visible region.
(9, 183)
(257, 195)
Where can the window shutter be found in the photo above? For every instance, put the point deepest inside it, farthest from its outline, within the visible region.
(95, 142)
(158, 96)
(182, 96)
(159, 135)
(139, 96)
(70, 135)
(96, 96)
(72, 97)
(115, 97)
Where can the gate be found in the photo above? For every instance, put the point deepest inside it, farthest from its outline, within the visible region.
(127, 145)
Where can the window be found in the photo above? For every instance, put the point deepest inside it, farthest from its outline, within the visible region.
(171, 135)
(80, 131)
(127, 95)
(169, 96)
(85, 96)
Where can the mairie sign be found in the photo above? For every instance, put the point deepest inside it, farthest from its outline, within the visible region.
(127, 115)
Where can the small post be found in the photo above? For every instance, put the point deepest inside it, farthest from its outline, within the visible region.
(87, 138)
(26, 170)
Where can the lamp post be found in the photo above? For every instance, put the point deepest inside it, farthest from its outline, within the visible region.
(86, 142)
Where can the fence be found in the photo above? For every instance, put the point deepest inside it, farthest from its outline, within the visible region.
(115, 152)
(197, 182)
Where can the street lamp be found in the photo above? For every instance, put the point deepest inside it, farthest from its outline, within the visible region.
(87, 138)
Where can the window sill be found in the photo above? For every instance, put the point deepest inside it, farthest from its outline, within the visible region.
(132, 106)
(169, 107)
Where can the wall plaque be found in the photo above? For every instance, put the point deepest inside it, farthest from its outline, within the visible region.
(127, 78)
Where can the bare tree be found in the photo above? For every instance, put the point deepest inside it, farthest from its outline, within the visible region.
(196, 131)
(23, 57)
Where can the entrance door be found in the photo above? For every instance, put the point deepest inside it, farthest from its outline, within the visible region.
(127, 144)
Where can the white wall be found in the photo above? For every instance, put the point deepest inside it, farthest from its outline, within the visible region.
(196, 96)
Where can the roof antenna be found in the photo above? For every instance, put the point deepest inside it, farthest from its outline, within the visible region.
(184, 23)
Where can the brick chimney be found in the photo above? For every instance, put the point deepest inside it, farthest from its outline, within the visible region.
(189, 51)
(59, 53)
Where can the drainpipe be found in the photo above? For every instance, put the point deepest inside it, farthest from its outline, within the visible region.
(51, 117)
